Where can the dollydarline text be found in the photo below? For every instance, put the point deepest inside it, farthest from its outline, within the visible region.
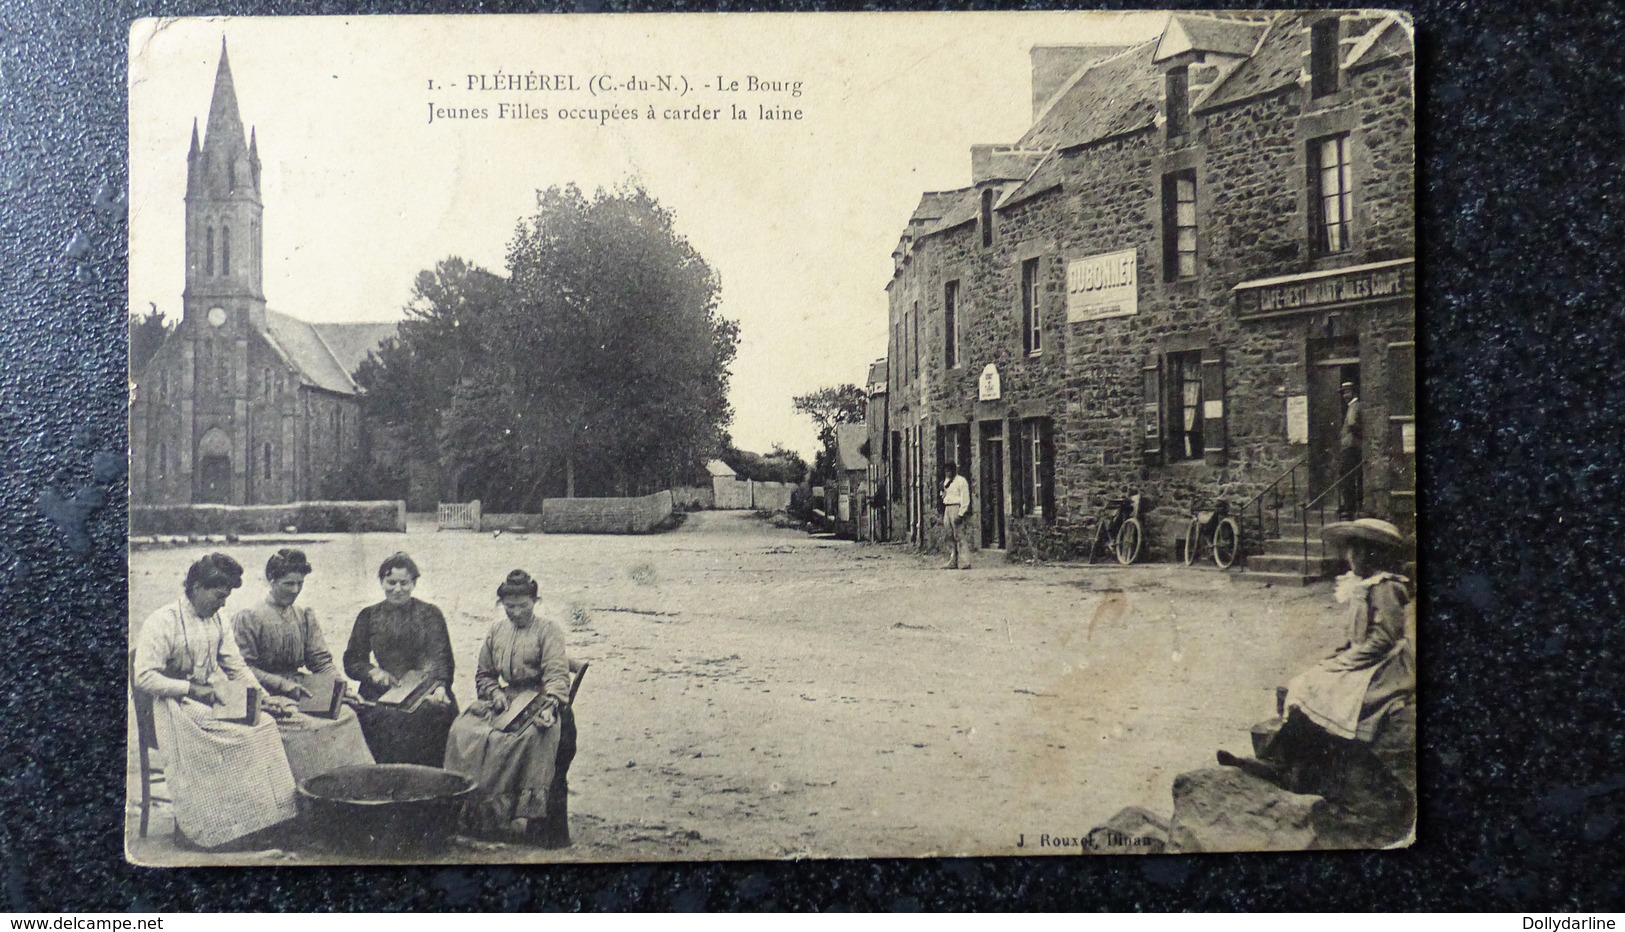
(1555, 924)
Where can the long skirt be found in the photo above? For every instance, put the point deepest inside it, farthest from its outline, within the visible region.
(228, 780)
(316, 745)
(514, 770)
(398, 737)
(1352, 704)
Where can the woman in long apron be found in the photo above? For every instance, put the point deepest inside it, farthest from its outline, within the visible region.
(228, 779)
(520, 772)
(281, 642)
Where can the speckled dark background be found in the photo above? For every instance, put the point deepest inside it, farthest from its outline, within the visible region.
(1522, 427)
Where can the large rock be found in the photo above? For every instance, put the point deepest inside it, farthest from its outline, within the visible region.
(1131, 831)
(1224, 809)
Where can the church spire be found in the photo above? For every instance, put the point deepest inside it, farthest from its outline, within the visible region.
(225, 132)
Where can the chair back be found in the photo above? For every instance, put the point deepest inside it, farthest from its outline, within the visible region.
(146, 732)
(578, 669)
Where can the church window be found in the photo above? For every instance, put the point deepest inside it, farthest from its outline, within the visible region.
(163, 460)
(208, 251)
(163, 386)
(266, 381)
(231, 174)
(267, 461)
(225, 250)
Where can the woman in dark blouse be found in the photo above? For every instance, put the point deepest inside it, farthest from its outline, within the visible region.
(390, 640)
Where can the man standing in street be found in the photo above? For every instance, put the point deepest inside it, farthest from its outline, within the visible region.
(955, 506)
(1349, 449)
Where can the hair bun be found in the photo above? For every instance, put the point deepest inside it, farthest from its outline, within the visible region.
(518, 582)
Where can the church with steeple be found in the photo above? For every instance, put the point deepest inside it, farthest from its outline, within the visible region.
(243, 405)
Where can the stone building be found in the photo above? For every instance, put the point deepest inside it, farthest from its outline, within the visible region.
(242, 404)
(1161, 286)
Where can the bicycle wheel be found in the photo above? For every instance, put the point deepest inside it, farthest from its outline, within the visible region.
(1130, 540)
(1226, 543)
(1193, 540)
(1102, 544)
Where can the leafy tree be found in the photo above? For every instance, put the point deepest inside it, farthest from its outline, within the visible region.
(598, 365)
(829, 406)
(147, 335)
(612, 336)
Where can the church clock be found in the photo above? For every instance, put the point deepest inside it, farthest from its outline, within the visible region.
(217, 316)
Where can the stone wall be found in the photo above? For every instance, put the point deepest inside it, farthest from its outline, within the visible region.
(307, 517)
(606, 515)
(1251, 164)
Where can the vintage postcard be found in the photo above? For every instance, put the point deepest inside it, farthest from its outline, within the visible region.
(694, 437)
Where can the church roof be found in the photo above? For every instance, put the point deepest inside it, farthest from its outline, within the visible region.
(304, 349)
(350, 343)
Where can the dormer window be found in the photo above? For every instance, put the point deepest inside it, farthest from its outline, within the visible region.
(1177, 100)
(1324, 57)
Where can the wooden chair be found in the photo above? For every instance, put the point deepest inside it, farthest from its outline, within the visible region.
(578, 669)
(152, 775)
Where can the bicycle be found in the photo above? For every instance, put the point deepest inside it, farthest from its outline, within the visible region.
(1119, 532)
(1220, 532)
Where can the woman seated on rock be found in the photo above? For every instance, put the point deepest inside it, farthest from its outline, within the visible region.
(283, 645)
(1337, 706)
(396, 638)
(521, 772)
(228, 779)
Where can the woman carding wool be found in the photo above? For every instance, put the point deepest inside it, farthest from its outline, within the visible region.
(521, 773)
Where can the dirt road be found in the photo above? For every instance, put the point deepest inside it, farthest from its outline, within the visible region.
(756, 693)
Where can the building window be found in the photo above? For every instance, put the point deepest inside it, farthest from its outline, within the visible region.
(950, 324)
(953, 446)
(1331, 192)
(1036, 462)
(266, 382)
(914, 342)
(208, 251)
(163, 460)
(163, 385)
(225, 250)
(987, 217)
(1179, 225)
(1176, 85)
(1323, 57)
(267, 461)
(1184, 407)
(1185, 422)
(1032, 323)
(897, 465)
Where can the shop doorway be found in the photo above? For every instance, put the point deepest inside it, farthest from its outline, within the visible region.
(1332, 361)
(992, 484)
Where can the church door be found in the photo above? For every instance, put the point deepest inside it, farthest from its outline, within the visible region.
(214, 468)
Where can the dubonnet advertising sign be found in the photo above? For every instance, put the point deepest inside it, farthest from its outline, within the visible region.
(1106, 285)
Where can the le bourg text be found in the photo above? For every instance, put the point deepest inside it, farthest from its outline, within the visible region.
(603, 98)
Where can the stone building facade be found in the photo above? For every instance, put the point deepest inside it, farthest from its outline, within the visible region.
(242, 404)
(1161, 286)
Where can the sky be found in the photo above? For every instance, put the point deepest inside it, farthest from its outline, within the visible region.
(799, 217)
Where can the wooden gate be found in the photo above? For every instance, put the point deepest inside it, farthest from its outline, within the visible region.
(459, 516)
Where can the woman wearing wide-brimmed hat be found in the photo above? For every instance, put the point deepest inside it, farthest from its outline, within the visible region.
(1337, 706)
(1349, 693)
